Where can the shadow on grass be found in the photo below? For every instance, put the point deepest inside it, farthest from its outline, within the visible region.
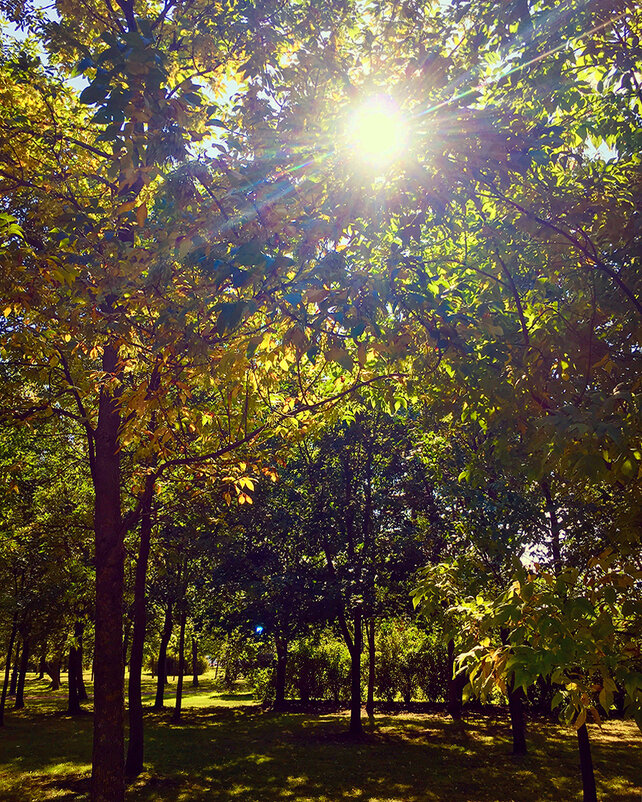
(248, 755)
(243, 754)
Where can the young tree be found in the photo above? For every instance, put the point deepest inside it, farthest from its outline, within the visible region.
(361, 512)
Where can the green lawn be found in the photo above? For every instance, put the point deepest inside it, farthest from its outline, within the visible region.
(228, 749)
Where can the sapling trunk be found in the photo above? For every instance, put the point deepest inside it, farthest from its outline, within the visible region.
(161, 667)
(135, 746)
(455, 685)
(176, 716)
(370, 633)
(22, 675)
(356, 727)
(73, 702)
(589, 792)
(14, 670)
(7, 670)
(517, 719)
(194, 662)
(79, 630)
(281, 667)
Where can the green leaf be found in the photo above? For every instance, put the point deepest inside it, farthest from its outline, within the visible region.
(94, 93)
(230, 316)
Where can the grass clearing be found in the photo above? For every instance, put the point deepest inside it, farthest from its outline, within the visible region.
(228, 749)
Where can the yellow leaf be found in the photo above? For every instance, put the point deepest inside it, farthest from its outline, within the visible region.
(7, 311)
(126, 207)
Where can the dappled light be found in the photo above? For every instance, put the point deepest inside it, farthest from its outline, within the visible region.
(245, 753)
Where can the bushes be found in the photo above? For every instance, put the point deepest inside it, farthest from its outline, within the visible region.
(410, 663)
(318, 668)
(263, 682)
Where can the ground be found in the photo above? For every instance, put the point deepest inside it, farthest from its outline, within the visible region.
(228, 749)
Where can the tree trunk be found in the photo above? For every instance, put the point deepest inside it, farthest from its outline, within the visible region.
(7, 670)
(108, 778)
(135, 746)
(41, 662)
(554, 525)
(14, 670)
(176, 716)
(161, 667)
(589, 792)
(79, 630)
(75, 672)
(356, 728)
(281, 667)
(455, 685)
(22, 675)
(370, 633)
(517, 720)
(53, 669)
(194, 662)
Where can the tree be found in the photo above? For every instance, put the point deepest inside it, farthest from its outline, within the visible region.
(46, 576)
(265, 577)
(361, 510)
(577, 628)
(124, 298)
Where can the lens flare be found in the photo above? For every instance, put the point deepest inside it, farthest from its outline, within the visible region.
(377, 132)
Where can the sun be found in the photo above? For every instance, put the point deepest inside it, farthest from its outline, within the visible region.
(377, 132)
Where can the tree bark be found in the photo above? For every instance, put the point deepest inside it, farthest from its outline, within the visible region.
(370, 633)
(194, 662)
(161, 668)
(108, 778)
(589, 792)
(7, 670)
(356, 727)
(281, 667)
(517, 719)
(176, 716)
(22, 674)
(135, 746)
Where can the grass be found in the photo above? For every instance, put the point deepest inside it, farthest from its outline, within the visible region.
(228, 749)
